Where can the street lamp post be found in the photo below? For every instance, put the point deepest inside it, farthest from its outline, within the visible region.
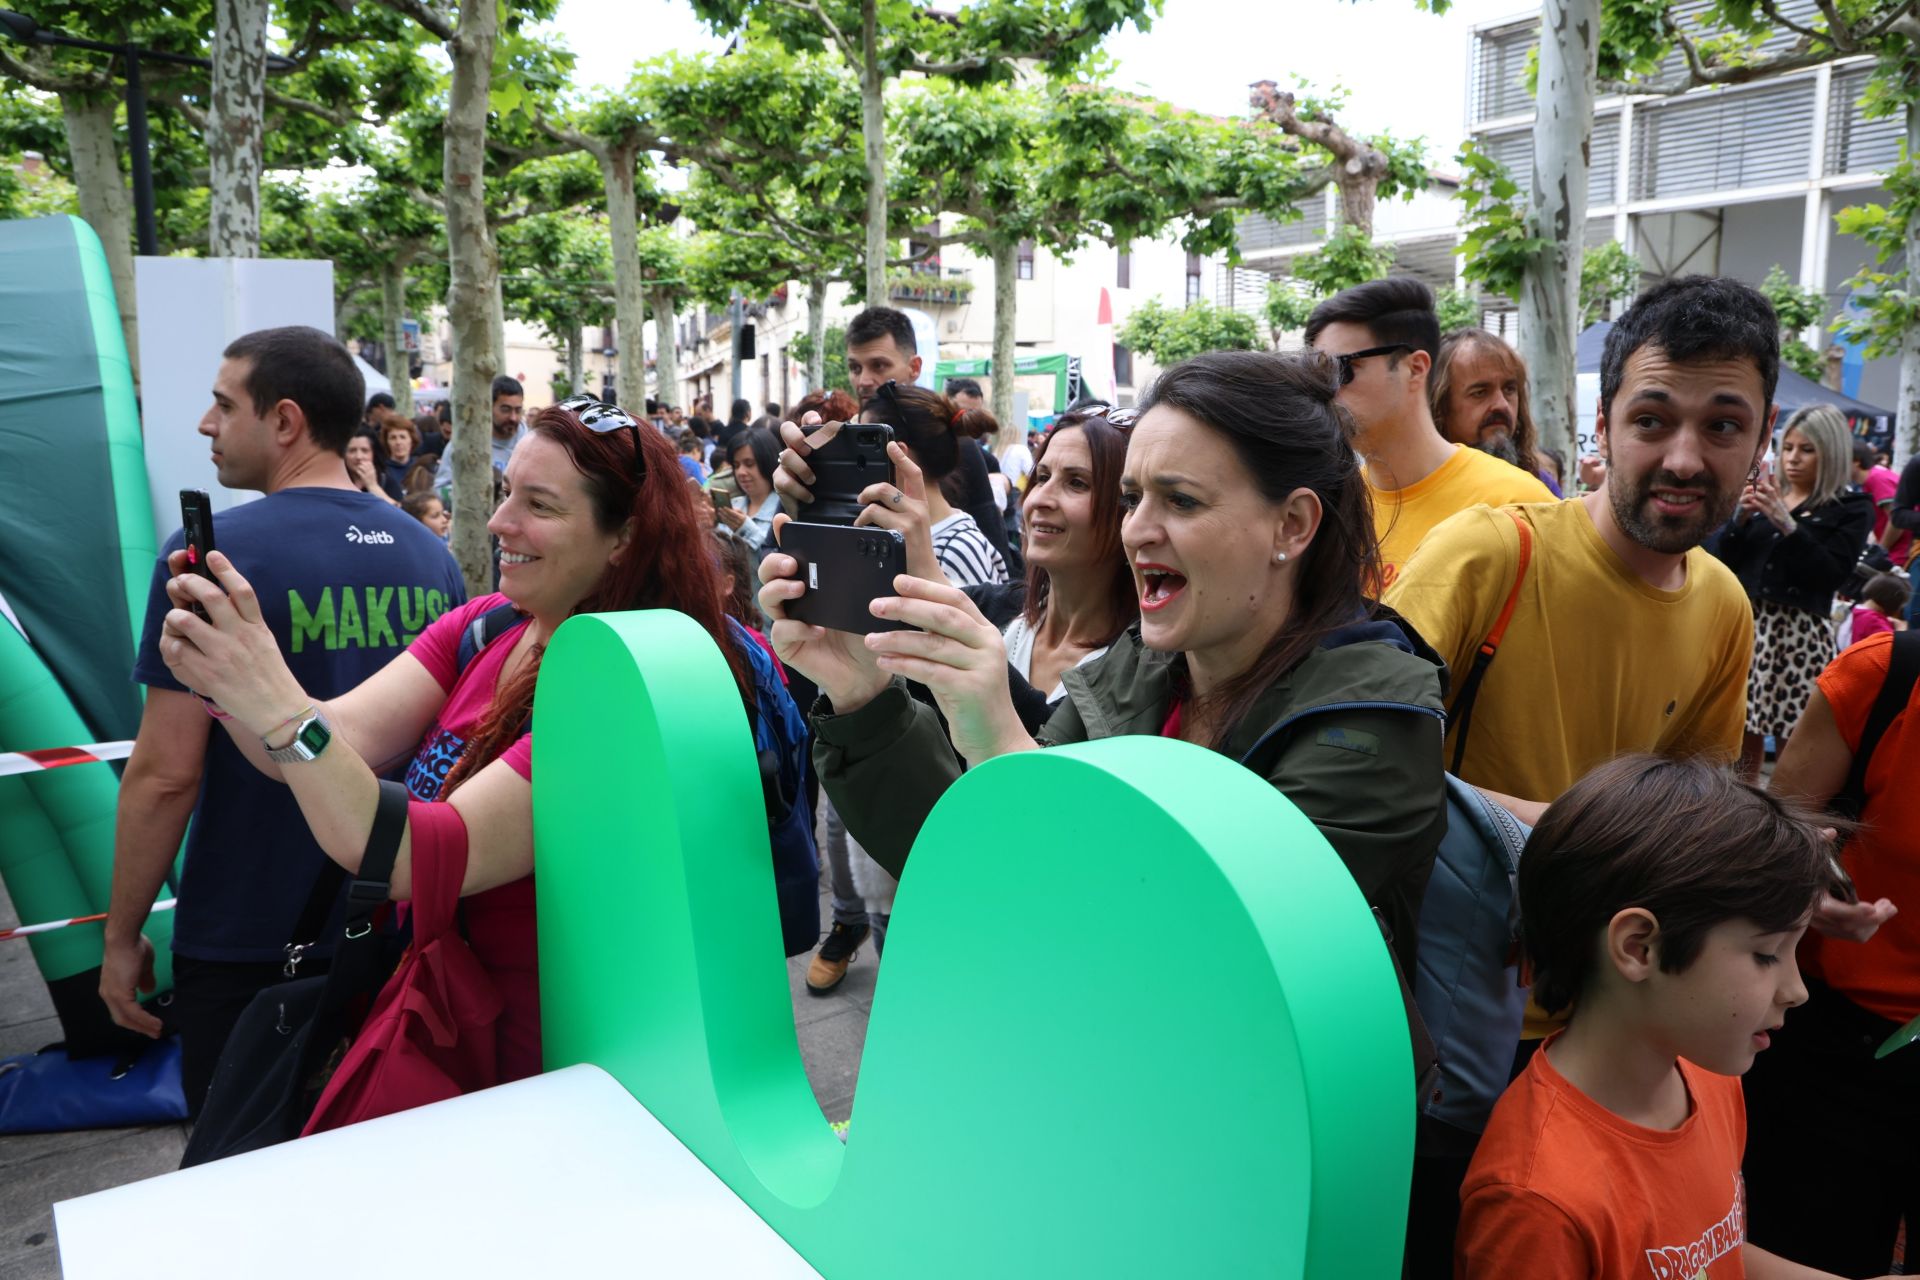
(27, 31)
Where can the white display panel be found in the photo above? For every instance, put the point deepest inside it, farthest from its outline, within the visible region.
(563, 1174)
(189, 310)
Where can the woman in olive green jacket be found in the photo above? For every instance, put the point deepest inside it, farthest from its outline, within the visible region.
(1251, 541)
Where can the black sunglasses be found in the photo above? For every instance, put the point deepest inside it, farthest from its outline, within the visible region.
(599, 416)
(1346, 361)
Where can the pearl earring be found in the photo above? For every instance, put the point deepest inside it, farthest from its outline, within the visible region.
(1279, 557)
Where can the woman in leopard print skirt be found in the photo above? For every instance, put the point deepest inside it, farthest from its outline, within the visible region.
(1793, 541)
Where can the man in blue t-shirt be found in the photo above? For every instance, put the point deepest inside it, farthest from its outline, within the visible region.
(344, 581)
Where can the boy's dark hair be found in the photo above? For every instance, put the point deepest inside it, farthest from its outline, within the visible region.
(882, 322)
(1694, 318)
(964, 387)
(310, 368)
(444, 412)
(505, 386)
(741, 412)
(378, 400)
(1392, 309)
(1682, 839)
(773, 409)
(1889, 591)
(1863, 455)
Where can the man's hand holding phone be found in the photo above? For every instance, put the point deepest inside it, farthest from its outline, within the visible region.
(899, 504)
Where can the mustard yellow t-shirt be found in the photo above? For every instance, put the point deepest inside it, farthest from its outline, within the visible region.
(1401, 517)
(1595, 662)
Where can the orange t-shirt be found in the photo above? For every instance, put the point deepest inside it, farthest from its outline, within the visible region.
(1883, 973)
(1562, 1187)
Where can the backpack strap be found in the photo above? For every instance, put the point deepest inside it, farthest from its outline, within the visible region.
(1462, 712)
(484, 630)
(1903, 670)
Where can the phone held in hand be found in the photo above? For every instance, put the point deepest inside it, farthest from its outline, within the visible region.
(720, 498)
(845, 570)
(855, 458)
(196, 526)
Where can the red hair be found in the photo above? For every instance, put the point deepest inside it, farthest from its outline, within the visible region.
(669, 563)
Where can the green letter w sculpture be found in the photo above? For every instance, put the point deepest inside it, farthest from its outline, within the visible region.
(1047, 1089)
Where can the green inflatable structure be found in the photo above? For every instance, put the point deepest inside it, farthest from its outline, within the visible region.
(1011, 1117)
(73, 482)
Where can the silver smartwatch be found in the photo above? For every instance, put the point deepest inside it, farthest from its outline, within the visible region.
(310, 738)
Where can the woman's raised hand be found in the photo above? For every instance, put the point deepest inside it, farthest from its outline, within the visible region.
(837, 661)
(229, 656)
(959, 656)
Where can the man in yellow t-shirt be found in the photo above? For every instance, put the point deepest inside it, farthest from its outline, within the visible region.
(1384, 334)
(1625, 635)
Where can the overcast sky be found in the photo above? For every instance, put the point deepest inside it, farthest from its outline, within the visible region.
(1406, 70)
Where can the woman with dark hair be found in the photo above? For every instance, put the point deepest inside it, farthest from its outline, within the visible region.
(1251, 548)
(597, 517)
(367, 468)
(749, 517)
(1079, 590)
(931, 428)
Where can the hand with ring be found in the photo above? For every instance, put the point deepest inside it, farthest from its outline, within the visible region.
(901, 506)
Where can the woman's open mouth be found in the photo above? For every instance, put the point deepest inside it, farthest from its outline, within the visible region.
(1160, 586)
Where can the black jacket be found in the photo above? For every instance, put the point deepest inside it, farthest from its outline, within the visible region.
(1803, 569)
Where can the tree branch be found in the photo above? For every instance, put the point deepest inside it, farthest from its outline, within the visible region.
(46, 81)
(1780, 19)
(1356, 155)
(421, 14)
(287, 102)
(846, 47)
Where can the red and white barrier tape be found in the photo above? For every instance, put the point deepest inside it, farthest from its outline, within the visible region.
(26, 930)
(57, 757)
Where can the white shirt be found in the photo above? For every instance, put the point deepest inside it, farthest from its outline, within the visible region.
(1019, 641)
(1016, 461)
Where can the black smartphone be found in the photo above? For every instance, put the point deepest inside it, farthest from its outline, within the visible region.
(846, 570)
(855, 458)
(196, 526)
(720, 499)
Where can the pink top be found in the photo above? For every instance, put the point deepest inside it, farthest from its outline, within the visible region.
(499, 922)
(1869, 622)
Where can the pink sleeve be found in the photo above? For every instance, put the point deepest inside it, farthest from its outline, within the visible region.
(438, 647)
(519, 756)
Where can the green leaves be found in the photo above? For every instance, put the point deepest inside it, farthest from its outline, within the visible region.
(1890, 300)
(1169, 335)
(1500, 237)
(1607, 273)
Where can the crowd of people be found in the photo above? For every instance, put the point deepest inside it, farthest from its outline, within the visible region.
(1314, 563)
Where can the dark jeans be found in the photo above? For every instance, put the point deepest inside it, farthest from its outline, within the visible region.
(207, 1000)
(1833, 1139)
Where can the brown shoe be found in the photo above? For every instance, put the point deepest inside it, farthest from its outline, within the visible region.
(829, 966)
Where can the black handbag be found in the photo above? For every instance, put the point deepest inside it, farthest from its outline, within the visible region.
(291, 1035)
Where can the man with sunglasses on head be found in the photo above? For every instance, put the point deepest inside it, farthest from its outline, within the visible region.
(1385, 336)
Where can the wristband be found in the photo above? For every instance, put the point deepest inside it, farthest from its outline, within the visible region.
(291, 720)
(213, 708)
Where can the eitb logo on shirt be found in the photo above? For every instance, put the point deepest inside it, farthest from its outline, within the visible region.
(356, 534)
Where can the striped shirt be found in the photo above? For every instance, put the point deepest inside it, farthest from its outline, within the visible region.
(965, 555)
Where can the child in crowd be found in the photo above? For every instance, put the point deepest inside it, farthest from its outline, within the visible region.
(428, 510)
(1882, 607)
(1662, 900)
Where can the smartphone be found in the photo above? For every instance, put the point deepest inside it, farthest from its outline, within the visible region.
(855, 458)
(1840, 884)
(846, 570)
(720, 498)
(196, 526)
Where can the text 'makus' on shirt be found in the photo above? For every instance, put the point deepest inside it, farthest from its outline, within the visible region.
(345, 583)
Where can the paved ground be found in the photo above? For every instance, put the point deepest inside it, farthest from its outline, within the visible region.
(37, 1170)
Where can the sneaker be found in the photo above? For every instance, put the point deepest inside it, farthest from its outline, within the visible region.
(830, 962)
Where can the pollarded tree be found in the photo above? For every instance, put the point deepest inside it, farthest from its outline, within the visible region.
(557, 270)
(880, 40)
(1362, 169)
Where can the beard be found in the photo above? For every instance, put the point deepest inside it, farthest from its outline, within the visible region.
(1639, 519)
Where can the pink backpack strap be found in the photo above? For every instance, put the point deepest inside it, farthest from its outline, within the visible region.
(439, 867)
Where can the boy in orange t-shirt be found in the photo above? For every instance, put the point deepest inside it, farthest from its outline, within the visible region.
(1663, 901)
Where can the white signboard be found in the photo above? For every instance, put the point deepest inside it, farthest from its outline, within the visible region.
(190, 309)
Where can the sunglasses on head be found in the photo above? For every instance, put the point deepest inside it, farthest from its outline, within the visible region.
(599, 416)
(1346, 361)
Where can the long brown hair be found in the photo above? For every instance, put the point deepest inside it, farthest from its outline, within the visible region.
(1107, 445)
(1278, 413)
(1440, 386)
(669, 563)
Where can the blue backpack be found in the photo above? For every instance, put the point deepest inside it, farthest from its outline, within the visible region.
(780, 739)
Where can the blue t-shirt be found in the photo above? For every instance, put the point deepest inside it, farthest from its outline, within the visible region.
(345, 582)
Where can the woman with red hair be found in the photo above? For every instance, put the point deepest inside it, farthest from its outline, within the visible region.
(597, 517)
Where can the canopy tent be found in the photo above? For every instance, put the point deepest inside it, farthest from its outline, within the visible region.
(376, 381)
(1064, 368)
(1868, 421)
